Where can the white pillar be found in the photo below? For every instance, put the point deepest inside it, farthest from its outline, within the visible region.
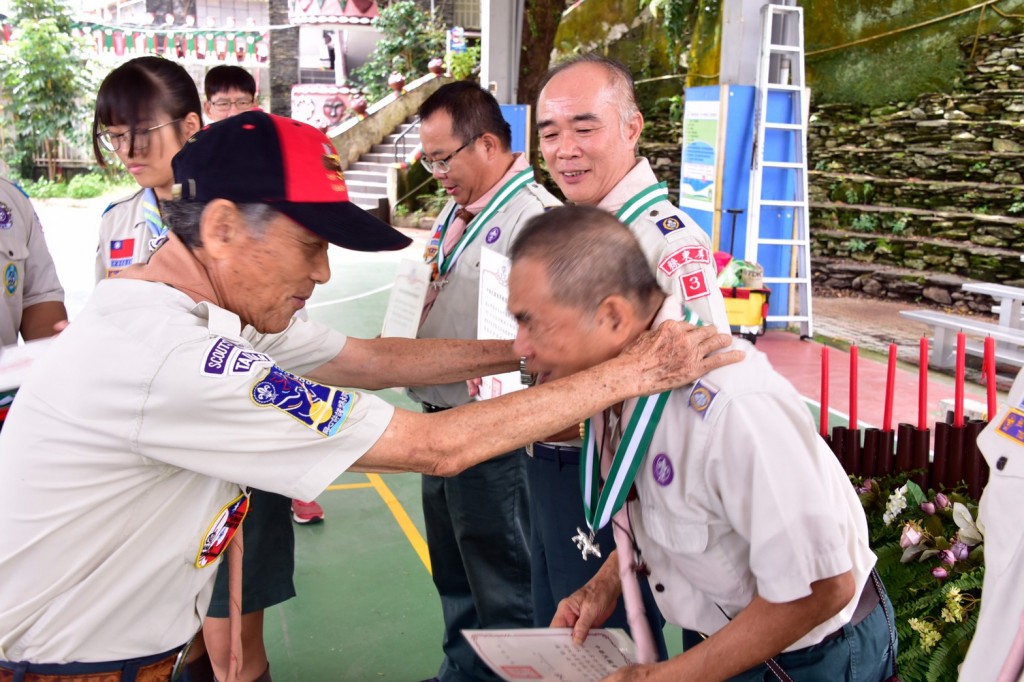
(501, 26)
(741, 41)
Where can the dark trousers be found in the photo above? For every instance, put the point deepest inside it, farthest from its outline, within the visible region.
(478, 530)
(556, 510)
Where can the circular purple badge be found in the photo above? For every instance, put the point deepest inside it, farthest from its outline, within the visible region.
(493, 234)
(662, 469)
(6, 219)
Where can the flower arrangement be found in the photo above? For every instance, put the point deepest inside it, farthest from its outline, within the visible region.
(931, 560)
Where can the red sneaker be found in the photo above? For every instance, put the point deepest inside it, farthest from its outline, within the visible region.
(307, 512)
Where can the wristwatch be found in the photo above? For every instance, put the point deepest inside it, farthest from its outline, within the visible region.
(525, 378)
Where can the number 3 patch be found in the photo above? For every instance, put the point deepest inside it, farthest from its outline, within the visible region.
(694, 285)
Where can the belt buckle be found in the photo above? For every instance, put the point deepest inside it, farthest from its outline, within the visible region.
(181, 660)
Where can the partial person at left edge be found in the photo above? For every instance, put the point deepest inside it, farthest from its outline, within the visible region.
(32, 304)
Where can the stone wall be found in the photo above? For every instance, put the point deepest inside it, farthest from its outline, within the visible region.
(911, 199)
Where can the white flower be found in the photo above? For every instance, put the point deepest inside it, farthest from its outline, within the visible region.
(896, 504)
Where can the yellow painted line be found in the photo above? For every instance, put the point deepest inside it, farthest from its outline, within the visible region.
(404, 522)
(349, 486)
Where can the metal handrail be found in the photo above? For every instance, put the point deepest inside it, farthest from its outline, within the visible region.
(413, 190)
(401, 138)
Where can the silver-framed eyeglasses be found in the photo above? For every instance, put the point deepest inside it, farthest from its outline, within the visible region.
(242, 104)
(444, 165)
(113, 141)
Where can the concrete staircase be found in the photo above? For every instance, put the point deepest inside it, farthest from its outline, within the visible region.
(367, 177)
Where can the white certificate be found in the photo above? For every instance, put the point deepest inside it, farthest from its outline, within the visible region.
(549, 653)
(405, 305)
(493, 318)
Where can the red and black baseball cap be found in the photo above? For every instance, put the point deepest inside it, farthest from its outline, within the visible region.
(259, 158)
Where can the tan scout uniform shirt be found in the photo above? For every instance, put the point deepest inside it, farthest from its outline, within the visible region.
(1002, 596)
(739, 496)
(148, 415)
(454, 313)
(679, 251)
(26, 268)
(125, 238)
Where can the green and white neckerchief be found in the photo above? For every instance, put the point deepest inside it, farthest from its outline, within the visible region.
(445, 262)
(599, 507)
(643, 200)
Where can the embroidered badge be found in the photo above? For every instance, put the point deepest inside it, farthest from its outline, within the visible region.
(694, 285)
(224, 357)
(122, 251)
(223, 528)
(701, 398)
(492, 235)
(680, 257)
(662, 470)
(215, 363)
(6, 217)
(10, 278)
(322, 408)
(669, 225)
(1012, 426)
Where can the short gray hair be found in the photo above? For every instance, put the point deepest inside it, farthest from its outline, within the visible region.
(619, 77)
(184, 217)
(590, 256)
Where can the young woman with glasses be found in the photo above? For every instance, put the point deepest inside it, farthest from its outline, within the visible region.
(145, 111)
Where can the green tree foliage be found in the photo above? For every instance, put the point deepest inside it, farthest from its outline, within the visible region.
(49, 87)
(409, 39)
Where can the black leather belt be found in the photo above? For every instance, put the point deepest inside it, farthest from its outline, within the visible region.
(869, 600)
(430, 409)
(563, 454)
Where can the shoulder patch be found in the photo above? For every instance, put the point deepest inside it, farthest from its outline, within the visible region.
(669, 225)
(224, 357)
(322, 408)
(684, 255)
(702, 395)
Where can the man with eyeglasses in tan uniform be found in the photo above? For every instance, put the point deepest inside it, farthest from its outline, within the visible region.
(477, 524)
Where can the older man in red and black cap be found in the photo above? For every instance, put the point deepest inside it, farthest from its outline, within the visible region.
(184, 382)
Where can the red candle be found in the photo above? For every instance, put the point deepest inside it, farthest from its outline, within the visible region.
(922, 385)
(824, 392)
(990, 376)
(853, 387)
(890, 387)
(961, 364)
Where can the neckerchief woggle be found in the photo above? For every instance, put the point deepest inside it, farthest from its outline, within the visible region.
(641, 201)
(435, 250)
(598, 508)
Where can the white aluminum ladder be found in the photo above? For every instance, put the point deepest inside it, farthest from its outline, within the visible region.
(780, 76)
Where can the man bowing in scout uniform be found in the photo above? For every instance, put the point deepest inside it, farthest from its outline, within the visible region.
(477, 523)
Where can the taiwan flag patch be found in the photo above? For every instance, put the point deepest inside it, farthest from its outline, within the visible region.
(121, 252)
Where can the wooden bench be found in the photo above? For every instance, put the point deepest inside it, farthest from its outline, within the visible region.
(943, 354)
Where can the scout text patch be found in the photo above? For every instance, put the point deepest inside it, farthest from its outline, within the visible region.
(224, 357)
(701, 397)
(1012, 426)
(680, 257)
(10, 278)
(694, 285)
(322, 408)
(220, 532)
(669, 225)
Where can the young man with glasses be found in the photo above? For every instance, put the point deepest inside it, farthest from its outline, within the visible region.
(477, 524)
(229, 90)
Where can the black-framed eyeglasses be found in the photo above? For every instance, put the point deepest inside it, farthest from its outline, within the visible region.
(444, 165)
(112, 141)
(242, 104)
